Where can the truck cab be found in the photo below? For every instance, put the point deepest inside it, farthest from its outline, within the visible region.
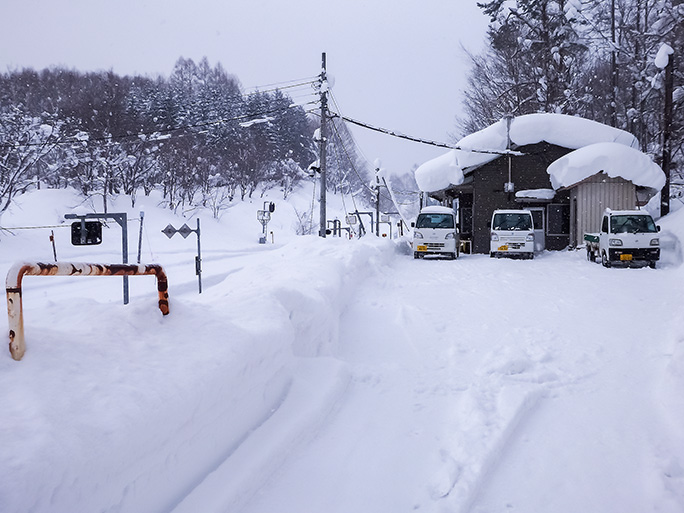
(511, 234)
(627, 237)
(435, 233)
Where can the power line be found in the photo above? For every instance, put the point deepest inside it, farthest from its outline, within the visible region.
(280, 85)
(424, 141)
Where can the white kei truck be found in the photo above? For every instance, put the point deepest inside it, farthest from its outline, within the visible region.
(435, 233)
(627, 237)
(511, 234)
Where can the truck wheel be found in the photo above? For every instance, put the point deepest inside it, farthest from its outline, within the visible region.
(491, 255)
(652, 265)
(604, 260)
(416, 255)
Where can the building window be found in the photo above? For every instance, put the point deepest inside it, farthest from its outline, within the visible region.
(558, 219)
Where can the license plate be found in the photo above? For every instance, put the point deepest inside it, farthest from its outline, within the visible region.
(625, 257)
(421, 248)
(503, 248)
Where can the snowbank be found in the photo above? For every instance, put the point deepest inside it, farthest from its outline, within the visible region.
(613, 159)
(116, 408)
(559, 129)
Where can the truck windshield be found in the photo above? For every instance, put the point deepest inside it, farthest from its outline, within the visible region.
(512, 221)
(632, 224)
(435, 221)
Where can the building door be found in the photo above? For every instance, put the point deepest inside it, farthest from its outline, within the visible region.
(539, 228)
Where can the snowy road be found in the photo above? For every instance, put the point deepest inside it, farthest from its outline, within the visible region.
(335, 376)
(483, 385)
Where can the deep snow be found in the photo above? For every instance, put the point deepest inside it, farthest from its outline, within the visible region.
(560, 129)
(333, 375)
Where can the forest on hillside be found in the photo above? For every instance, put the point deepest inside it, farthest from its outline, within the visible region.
(194, 135)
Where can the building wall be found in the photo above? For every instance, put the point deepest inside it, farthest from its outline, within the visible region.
(590, 198)
(527, 172)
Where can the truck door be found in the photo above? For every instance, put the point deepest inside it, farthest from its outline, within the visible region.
(539, 221)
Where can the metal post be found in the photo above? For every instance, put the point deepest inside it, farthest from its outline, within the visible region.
(17, 344)
(198, 264)
(377, 202)
(54, 248)
(322, 143)
(142, 217)
(123, 221)
(667, 136)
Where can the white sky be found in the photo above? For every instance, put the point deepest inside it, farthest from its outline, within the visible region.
(396, 63)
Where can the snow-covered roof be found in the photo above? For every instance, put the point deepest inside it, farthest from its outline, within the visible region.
(611, 158)
(562, 130)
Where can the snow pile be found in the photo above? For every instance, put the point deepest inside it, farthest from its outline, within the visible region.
(613, 159)
(567, 131)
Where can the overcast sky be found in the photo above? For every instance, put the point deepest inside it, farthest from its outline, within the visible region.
(396, 63)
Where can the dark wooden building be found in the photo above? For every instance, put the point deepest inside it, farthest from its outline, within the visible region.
(507, 182)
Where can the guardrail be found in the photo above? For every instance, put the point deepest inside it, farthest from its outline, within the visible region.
(17, 343)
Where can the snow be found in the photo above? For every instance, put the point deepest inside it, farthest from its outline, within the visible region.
(562, 130)
(544, 194)
(337, 375)
(439, 173)
(610, 158)
(437, 209)
(662, 58)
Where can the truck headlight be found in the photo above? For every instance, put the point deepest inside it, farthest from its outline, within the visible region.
(449, 236)
(530, 237)
(495, 237)
(615, 242)
(655, 242)
(417, 235)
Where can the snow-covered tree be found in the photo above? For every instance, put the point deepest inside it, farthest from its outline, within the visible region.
(24, 141)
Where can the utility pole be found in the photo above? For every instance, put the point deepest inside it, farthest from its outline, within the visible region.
(377, 198)
(667, 136)
(613, 68)
(322, 143)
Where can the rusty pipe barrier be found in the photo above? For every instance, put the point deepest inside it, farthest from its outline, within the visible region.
(17, 344)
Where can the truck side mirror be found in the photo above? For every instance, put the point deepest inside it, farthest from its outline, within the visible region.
(413, 225)
(271, 207)
(658, 227)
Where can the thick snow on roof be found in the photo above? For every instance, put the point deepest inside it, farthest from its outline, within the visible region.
(439, 173)
(567, 131)
(544, 194)
(611, 158)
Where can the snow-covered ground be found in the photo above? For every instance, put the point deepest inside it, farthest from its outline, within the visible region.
(332, 375)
